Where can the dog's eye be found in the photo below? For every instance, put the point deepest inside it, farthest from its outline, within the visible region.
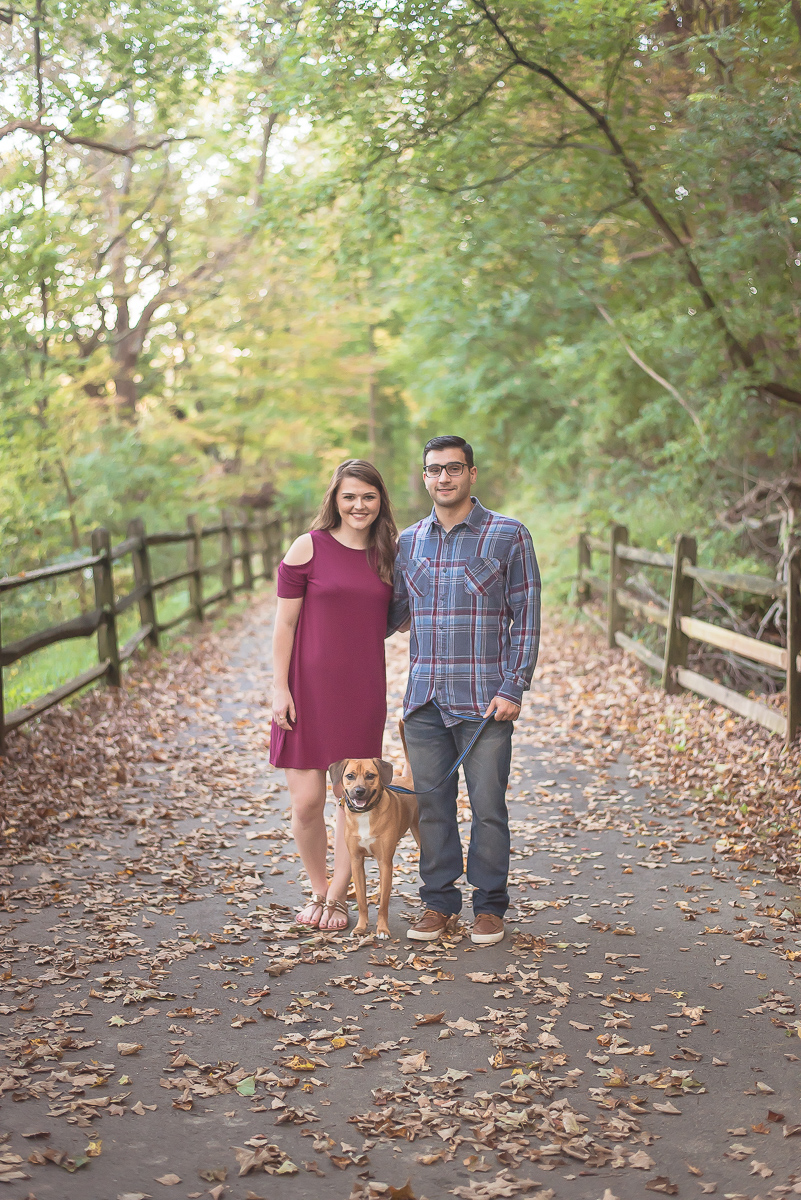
(369, 775)
(350, 776)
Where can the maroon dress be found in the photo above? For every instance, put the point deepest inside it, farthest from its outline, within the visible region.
(337, 673)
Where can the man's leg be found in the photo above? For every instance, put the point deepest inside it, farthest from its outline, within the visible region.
(486, 772)
(432, 750)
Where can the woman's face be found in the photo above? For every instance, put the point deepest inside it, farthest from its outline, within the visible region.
(358, 503)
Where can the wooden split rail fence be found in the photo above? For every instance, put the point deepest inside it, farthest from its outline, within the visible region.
(674, 615)
(257, 539)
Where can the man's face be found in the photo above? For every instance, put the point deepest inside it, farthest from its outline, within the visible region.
(449, 491)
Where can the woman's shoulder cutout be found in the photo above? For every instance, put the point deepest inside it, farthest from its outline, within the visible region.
(301, 551)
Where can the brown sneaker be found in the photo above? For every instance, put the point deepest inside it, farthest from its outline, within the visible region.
(487, 928)
(430, 926)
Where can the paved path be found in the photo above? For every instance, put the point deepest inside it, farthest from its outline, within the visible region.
(166, 1028)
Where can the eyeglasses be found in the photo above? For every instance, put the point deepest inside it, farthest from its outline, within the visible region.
(436, 469)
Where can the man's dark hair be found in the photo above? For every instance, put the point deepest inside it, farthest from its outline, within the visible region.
(445, 442)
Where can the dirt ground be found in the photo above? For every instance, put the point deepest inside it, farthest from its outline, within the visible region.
(168, 1032)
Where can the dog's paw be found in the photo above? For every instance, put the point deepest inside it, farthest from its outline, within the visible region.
(383, 935)
(359, 931)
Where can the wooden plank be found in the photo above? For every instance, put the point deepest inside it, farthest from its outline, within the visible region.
(143, 577)
(596, 544)
(793, 645)
(760, 585)
(108, 648)
(228, 556)
(643, 608)
(216, 598)
(649, 558)
(752, 710)
(618, 535)
(168, 539)
(186, 615)
(10, 582)
(28, 711)
(211, 530)
(596, 581)
(587, 612)
(125, 602)
(584, 562)
(639, 651)
(194, 561)
(140, 636)
(727, 639)
(167, 580)
(685, 552)
(212, 569)
(83, 626)
(127, 547)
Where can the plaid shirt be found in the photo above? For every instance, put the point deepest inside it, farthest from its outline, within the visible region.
(473, 594)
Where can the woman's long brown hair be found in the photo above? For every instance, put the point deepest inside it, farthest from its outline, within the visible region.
(382, 547)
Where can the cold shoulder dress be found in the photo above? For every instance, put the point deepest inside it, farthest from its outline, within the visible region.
(337, 672)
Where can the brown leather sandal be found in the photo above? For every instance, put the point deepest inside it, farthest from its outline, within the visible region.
(314, 902)
(329, 908)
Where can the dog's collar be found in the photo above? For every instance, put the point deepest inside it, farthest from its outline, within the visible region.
(367, 808)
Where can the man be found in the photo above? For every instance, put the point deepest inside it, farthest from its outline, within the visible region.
(469, 581)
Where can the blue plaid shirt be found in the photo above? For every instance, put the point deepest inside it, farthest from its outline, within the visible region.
(473, 594)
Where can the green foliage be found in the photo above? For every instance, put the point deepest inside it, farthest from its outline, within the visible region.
(567, 230)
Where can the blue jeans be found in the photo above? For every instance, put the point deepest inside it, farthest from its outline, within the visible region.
(433, 748)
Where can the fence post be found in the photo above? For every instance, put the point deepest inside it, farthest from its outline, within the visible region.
(227, 568)
(584, 562)
(143, 577)
(265, 539)
(618, 536)
(194, 563)
(107, 646)
(681, 605)
(247, 559)
(793, 644)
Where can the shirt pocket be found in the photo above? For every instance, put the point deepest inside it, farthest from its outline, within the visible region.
(483, 577)
(418, 577)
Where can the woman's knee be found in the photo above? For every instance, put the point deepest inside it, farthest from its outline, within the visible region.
(307, 810)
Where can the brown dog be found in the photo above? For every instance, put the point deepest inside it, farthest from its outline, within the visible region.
(376, 818)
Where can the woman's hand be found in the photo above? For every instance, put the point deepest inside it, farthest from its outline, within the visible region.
(283, 708)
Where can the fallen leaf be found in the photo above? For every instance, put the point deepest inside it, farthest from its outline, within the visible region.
(429, 1018)
(129, 1047)
(661, 1183)
(641, 1160)
(667, 1107)
(403, 1193)
(169, 1180)
(412, 1063)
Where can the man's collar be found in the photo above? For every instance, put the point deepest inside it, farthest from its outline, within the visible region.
(474, 519)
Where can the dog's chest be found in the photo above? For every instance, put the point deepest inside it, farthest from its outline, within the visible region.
(366, 838)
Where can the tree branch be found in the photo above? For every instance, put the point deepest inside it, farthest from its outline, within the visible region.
(635, 358)
(635, 179)
(90, 143)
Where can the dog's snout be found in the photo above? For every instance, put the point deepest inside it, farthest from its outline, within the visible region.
(359, 792)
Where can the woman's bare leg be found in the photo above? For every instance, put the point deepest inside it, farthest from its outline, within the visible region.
(307, 793)
(338, 888)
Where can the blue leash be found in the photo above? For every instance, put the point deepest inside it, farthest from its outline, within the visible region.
(406, 791)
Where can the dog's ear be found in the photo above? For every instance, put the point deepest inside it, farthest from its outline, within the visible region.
(385, 771)
(336, 771)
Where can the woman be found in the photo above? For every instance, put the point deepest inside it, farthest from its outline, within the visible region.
(329, 699)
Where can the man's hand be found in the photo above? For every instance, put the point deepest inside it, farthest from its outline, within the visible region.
(505, 710)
